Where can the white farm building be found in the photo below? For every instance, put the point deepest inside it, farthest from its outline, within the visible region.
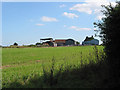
(90, 41)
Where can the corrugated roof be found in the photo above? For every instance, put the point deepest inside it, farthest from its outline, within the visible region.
(47, 39)
(60, 40)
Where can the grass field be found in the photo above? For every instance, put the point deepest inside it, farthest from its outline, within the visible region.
(49, 67)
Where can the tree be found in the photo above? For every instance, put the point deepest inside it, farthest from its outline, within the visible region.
(38, 44)
(109, 32)
(77, 42)
(15, 44)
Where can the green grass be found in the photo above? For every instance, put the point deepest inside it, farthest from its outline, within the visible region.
(23, 67)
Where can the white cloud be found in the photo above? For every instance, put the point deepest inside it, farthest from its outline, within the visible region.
(92, 7)
(48, 19)
(70, 15)
(82, 8)
(39, 24)
(62, 5)
(80, 29)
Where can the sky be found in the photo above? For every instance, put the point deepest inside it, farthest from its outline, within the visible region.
(28, 22)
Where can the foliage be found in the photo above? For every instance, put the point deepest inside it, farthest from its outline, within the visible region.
(109, 29)
(89, 38)
(31, 45)
(38, 43)
(77, 43)
(15, 44)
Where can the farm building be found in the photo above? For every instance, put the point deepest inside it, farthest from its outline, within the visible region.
(59, 42)
(70, 42)
(90, 41)
(48, 43)
(65, 42)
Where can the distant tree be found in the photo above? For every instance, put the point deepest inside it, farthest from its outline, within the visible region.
(31, 45)
(89, 38)
(38, 43)
(15, 44)
(77, 43)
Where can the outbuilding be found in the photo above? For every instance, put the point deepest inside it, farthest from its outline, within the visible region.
(70, 42)
(59, 42)
(90, 41)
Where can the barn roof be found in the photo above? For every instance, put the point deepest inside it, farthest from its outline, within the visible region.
(71, 39)
(60, 40)
(47, 39)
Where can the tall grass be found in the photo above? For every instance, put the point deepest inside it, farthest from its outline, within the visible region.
(54, 78)
(73, 67)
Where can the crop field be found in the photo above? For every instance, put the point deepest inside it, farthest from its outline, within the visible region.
(46, 67)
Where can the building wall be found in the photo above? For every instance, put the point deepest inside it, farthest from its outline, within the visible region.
(92, 42)
(45, 44)
(60, 44)
(55, 44)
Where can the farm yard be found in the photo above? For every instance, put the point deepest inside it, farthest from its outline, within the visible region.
(53, 67)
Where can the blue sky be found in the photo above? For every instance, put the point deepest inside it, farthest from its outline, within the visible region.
(28, 22)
